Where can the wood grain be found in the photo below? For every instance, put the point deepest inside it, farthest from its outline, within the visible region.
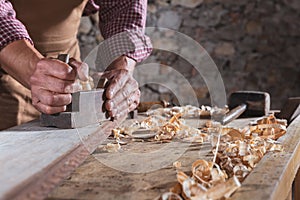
(94, 180)
(34, 159)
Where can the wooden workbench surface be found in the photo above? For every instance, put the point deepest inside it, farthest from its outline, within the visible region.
(34, 159)
(271, 179)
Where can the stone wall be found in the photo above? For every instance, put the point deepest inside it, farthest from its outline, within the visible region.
(254, 43)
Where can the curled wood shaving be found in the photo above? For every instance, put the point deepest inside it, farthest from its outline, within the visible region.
(218, 187)
(85, 85)
(110, 147)
(187, 111)
(165, 129)
(177, 164)
(238, 152)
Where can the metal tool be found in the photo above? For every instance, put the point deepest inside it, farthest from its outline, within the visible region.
(247, 104)
(85, 109)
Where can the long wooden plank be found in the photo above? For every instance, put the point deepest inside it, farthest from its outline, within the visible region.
(273, 176)
(34, 159)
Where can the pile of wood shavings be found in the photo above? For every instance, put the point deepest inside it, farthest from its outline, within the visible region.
(237, 152)
(164, 129)
(187, 111)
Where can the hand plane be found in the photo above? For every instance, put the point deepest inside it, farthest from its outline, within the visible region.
(85, 109)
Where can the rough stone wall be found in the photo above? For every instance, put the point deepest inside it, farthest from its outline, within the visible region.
(254, 43)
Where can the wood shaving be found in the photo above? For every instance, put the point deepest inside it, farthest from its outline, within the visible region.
(110, 147)
(187, 111)
(85, 85)
(238, 152)
(177, 164)
(165, 129)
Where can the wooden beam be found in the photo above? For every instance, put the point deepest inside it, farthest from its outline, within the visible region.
(34, 159)
(272, 178)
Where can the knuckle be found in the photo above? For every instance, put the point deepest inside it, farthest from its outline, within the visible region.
(50, 100)
(59, 87)
(135, 84)
(115, 82)
(66, 72)
(40, 64)
(69, 98)
(65, 87)
(108, 105)
(84, 65)
(33, 79)
(124, 71)
(113, 112)
(34, 103)
(48, 110)
(138, 93)
(137, 101)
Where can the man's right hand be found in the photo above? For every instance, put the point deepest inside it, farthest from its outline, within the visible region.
(52, 83)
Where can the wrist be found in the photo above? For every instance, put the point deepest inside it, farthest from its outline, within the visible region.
(19, 60)
(122, 62)
(131, 63)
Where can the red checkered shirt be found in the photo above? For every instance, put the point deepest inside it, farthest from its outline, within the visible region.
(115, 16)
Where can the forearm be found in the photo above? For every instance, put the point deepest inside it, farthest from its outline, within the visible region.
(19, 59)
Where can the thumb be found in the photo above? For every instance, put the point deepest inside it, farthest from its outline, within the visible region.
(81, 68)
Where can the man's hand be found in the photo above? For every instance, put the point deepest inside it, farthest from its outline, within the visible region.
(122, 93)
(52, 83)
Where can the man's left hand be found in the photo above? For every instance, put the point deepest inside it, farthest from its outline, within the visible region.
(122, 93)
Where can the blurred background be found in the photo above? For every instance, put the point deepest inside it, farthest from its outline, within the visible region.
(254, 43)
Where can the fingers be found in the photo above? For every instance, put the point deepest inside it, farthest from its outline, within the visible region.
(50, 104)
(128, 91)
(118, 79)
(48, 109)
(127, 105)
(52, 83)
(56, 68)
(81, 68)
(121, 93)
(53, 99)
(123, 105)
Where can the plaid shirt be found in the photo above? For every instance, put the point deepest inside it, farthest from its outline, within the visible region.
(116, 16)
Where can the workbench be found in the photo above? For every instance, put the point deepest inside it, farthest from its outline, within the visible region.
(24, 176)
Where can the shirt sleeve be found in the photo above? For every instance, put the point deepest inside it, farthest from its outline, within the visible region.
(11, 29)
(122, 22)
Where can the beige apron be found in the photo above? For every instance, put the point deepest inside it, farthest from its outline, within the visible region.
(52, 25)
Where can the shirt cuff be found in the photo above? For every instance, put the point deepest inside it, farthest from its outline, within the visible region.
(142, 48)
(11, 30)
(133, 44)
